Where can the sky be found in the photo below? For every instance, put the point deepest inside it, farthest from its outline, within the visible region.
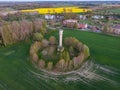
(59, 0)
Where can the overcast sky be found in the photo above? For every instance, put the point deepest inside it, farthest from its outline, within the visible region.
(59, 0)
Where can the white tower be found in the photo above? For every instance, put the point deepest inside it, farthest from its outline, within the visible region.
(60, 47)
(60, 37)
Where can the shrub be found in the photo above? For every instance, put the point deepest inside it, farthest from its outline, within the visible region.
(52, 31)
(75, 62)
(15, 30)
(70, 66)
(51, 51)
(19, 30)
(45, 43)
(52, 40)
(79, 46)
(24, 29)
(68, 25)
(67, 56)
(60, 65)
(86, 51)
(81, 58)
(44, 24)
(37, 25)
(37, 36)
(44, 52)
(50, 65)
(36, 46)
(34, 58)
(71, 51)
(43, 31)
(41, 63)
(32, 51)
(74, 41)
(7, 33)
(75, 25)
(68, 41)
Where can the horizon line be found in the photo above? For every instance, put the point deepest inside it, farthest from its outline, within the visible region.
(63, 1)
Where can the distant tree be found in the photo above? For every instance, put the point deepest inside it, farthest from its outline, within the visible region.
(105, 28)
(89, 14)
(70, 16)
(75, 25)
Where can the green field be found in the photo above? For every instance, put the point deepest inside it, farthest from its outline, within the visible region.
(104, 48)
(16, 72)
(114, 11)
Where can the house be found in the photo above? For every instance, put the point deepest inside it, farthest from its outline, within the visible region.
(49, 17)
(98, 17)
(72, 23)
(95, 29)
(83, 17)
(69, 21)
(116, 29)
(82, 26)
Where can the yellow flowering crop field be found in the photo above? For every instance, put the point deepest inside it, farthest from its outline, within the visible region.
(57, 10)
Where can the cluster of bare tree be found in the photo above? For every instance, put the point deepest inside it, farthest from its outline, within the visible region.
(19, 30)
(73, 56)
(43, 53)
(46, 51)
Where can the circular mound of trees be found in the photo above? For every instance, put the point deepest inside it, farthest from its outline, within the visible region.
(44, 54)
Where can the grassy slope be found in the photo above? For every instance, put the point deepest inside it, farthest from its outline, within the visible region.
(14, 64)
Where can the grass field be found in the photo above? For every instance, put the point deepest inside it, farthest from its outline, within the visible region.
(104, 48)
(15, 66)
(114, 11)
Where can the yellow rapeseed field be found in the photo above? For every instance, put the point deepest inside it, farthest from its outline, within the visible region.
(57, 10)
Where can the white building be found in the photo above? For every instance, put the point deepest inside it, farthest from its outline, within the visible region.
(97, 17)
(49, 17)
(69, 21)
(83, 17)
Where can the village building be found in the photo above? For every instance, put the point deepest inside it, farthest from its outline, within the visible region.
(82, 26)
(49, 17)
(69, 21)
(82, 17)
(116, 29)
(8, 12)
(98, 17)
(73, 23)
